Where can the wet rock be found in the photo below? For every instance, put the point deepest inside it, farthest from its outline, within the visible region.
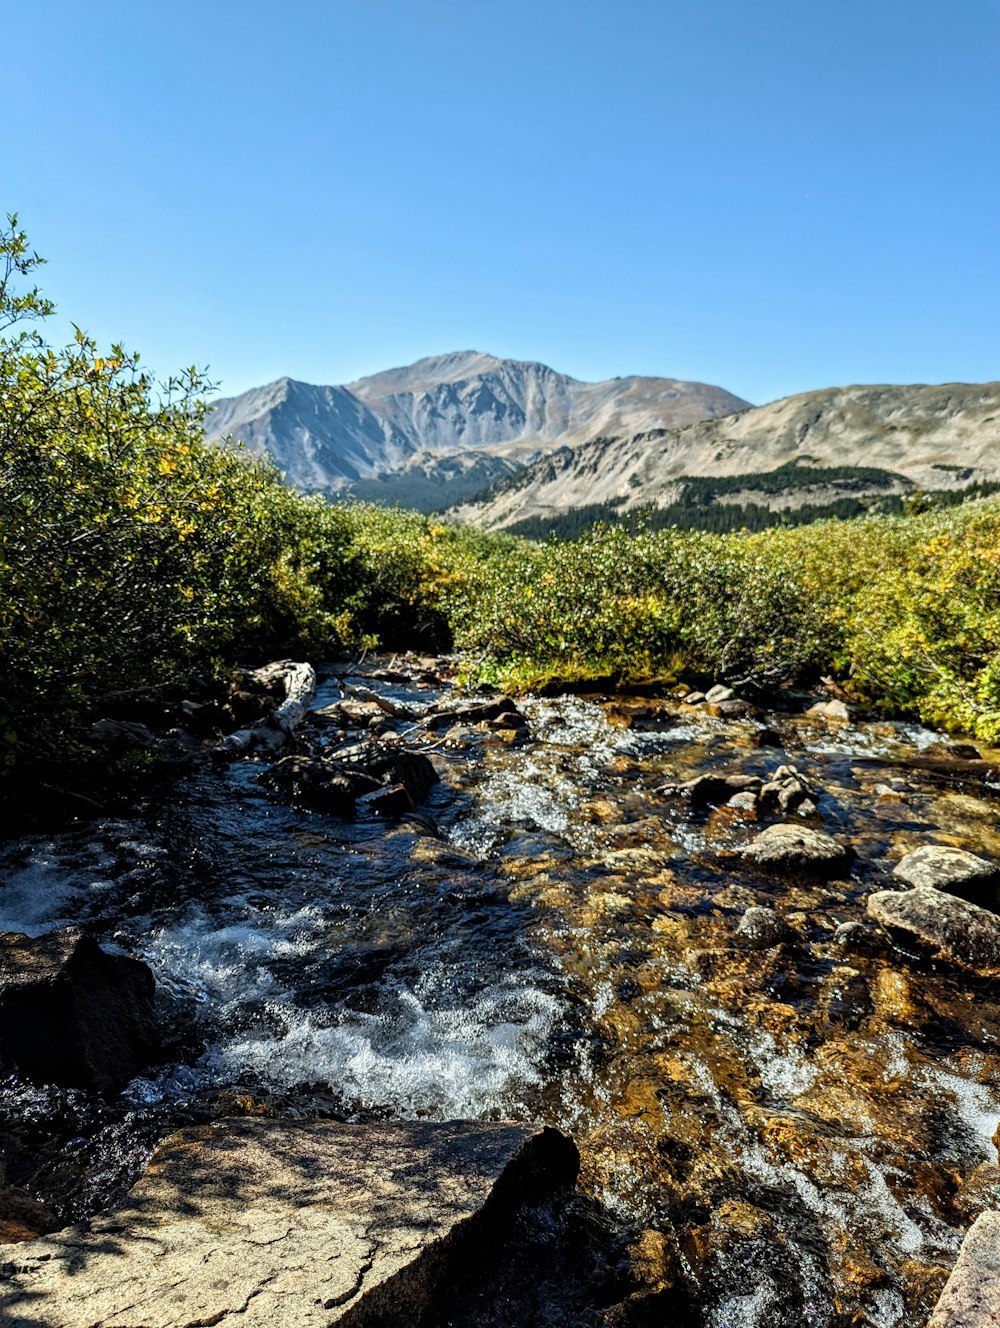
(733, 708)
(500, 714)
(694, 698)
(334, 783)
(831, 710)
(719, 693)
(979, 1190)
(807, 808)
(744, 802)
(950, 927)
(855, 936)
(272, 1222)
(761, 928)
(797, 848)
(786, 789)
(393, 800)
(938, 867)
(319, 783)
(767, 737)
(971, 1298)
(72, 1014)
(707, 790)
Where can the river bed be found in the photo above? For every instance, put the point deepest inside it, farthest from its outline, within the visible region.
(805, 1127)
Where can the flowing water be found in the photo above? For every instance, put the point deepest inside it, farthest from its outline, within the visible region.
(810, 1123)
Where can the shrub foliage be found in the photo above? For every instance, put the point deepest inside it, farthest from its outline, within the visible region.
(131, 551)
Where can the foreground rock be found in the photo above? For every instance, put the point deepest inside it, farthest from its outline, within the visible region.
(72, 1014)
(937, 867)
(971, 1298)
(278, 1223)
(949, 927)
(796, 849)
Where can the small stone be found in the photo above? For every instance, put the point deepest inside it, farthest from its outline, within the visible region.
(763, 928)
(807, 808)
(694, 698)
(744, 802)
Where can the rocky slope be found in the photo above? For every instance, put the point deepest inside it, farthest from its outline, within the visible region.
(326, 437)
(934, 436)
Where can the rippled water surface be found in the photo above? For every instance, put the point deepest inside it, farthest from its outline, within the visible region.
(811, 1125)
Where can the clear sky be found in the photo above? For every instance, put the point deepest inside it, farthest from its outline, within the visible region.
(771, 195)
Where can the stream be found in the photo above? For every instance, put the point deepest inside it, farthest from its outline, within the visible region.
(553, 937)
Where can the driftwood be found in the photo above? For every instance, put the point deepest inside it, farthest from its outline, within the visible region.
(298, 682)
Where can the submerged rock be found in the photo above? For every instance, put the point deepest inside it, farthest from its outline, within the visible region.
(761, 928)
(971, 1298)
(797, 848)
(72, 1014)
(939, 867)
(268, 1222)
(950, 927)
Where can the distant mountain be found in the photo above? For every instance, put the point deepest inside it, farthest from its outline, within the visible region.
(934, 437)
(327, 438)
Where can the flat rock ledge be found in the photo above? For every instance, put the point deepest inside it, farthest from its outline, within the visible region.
(279, 1224)
(971, 1297)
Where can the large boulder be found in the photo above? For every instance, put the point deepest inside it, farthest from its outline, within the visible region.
(797, 849)
(273, 1222)
(72, 1014)
(971, 1297)
(939, 867)
(949, 927)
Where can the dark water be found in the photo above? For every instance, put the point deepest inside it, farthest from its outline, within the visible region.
(807, 1121)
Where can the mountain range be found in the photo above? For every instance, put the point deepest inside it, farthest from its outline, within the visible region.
(484, 414)
(500, 442)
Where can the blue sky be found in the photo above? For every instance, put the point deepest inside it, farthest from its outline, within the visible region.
(772, 196)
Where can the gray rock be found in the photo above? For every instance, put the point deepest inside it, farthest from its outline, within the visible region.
(303, 1225)
(763, 928)
(939, 867)
(743, 802)
(694, 698)
(807, 808)
(717, 694)
(72, 1014)
(950, 927)
(796, 849)
(971, 1297)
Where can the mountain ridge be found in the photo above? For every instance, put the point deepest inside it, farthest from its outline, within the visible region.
(933, 435)
(325, 438)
